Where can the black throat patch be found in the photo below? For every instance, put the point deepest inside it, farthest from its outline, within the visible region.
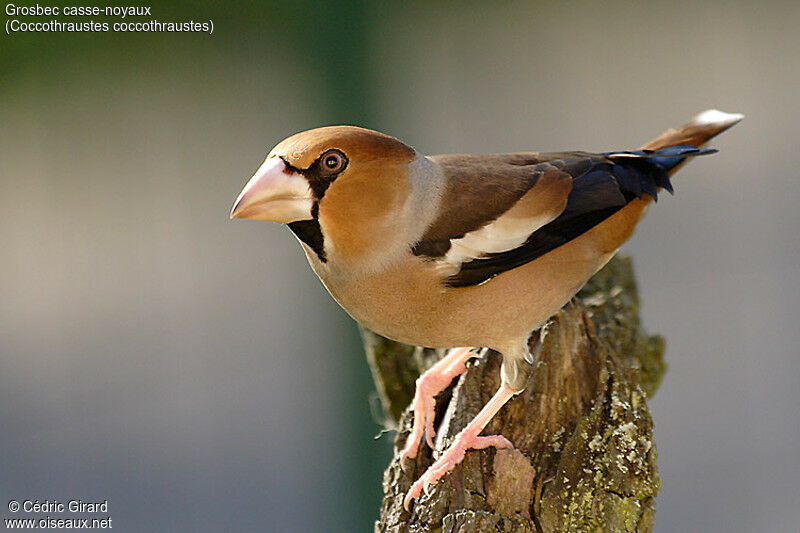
(310, 233)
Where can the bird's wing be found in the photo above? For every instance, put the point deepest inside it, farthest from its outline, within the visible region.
(501, 211)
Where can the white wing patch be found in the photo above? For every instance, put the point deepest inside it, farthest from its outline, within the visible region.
(539, 206)
(505, 233)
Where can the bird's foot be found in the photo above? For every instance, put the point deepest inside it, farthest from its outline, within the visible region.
(466, 439)
(430, 383)
(454, 455)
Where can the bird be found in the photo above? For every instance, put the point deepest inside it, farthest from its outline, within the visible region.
(460, 251)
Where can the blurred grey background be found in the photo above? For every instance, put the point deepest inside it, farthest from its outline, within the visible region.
(192, 370)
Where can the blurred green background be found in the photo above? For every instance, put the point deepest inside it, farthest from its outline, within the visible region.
(192, 370)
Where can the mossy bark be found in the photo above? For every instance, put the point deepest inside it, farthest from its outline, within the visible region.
(584, 458)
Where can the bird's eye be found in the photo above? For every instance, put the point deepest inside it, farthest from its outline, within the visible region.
(333, 162)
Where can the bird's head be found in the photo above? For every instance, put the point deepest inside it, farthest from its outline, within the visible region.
(336, 187)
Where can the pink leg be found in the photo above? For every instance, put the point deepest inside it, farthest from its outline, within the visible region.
(429, 384)
(467, 439)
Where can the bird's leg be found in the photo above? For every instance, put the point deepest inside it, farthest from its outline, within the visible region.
(430, 383)
(467, 439)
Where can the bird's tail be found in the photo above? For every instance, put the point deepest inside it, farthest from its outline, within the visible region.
(696, 132)
(661, 157)
(648, 169)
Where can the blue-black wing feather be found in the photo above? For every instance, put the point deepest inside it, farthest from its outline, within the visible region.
(602, 185)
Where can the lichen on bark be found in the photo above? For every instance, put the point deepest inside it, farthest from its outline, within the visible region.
(584, 457)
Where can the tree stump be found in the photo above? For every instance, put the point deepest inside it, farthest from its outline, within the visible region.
(584, 457)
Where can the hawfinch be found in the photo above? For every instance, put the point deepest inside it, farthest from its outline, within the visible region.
(450, 251)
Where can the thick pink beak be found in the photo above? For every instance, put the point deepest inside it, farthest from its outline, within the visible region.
(274, 193)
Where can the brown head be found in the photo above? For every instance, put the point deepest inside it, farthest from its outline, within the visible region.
(336, 187)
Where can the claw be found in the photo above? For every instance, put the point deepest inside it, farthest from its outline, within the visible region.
(412, 493)
(468, 439)
(454, 455)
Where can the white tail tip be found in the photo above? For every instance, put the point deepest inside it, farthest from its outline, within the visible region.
(715, 117)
